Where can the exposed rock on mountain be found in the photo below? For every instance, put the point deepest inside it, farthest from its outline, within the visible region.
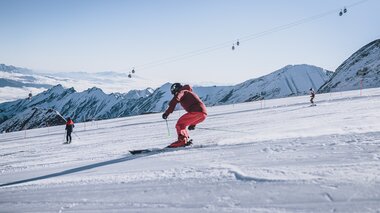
(94, 104)
(360, 70)
(32, 118)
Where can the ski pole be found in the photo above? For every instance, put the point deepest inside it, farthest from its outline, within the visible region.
(76, 135)
(64, 136)
(167, 126)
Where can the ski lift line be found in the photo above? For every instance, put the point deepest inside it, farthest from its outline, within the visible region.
(246, 38)
(184, 57)
(201, 51)
(296, 23)
(287, 26)
(227, 44)
(190, 54)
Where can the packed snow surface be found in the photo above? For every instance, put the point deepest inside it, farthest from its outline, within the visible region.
(279, 155)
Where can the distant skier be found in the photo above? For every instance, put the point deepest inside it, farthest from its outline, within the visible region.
(69, 129)
(312, 95)
(196, 112)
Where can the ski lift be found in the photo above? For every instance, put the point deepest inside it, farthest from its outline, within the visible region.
(233, 47)
(345, 10)
(340, 13)
(129, 75)
(237, 43)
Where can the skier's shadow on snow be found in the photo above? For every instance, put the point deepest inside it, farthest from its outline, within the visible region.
(87, 167)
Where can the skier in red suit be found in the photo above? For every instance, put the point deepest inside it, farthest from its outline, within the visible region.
(195, 108)
(69, 129)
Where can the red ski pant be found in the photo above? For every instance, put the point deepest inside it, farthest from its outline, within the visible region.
(190, 118)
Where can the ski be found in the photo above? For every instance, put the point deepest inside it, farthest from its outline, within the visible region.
(155, 150)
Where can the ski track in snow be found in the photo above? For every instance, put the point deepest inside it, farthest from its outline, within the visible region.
(281, 157)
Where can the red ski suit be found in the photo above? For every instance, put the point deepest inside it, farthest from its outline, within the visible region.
(196, 110)
(69, 129)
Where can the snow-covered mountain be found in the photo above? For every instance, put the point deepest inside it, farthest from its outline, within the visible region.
(94, 104)
(82, 106)
(291, 80)
(360, 70)
(32, 118)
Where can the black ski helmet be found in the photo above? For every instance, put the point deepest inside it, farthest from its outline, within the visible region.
(175, 88)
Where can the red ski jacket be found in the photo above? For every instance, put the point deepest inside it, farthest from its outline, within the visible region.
(69, 125)
(188, 100)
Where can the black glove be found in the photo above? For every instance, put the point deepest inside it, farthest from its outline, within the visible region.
(164, 116)
(191, 127)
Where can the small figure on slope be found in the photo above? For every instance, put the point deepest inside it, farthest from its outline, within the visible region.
(312, 95)
(69, 129)
(195, 108)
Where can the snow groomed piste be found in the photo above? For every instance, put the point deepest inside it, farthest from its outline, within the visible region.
(281, 156)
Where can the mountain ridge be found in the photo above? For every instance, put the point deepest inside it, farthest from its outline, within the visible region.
(94, 104)
(360, 70)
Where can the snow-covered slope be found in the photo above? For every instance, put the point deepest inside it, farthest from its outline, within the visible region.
(281, 157)
(360, 70)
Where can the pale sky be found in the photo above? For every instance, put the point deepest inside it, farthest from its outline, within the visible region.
(116, 35)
